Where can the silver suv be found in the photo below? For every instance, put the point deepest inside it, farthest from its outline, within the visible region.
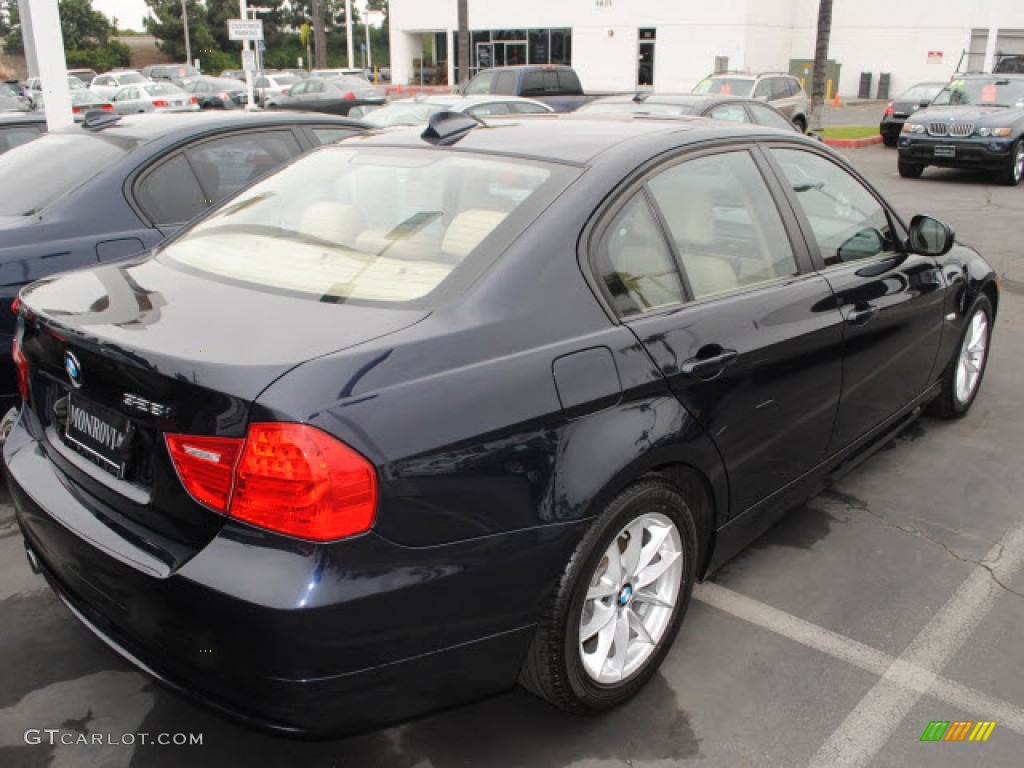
(783, 91)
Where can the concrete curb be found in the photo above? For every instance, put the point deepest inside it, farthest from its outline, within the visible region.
(854, 143)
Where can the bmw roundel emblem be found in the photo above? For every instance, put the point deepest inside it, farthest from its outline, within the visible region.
(73, 368)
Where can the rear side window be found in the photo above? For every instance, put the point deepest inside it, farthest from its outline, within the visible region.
(635, 263)
(371, 223)
(780, 88)
(568, 82)
(40, 172)
(763, 90)
(733, 112)
(724, 223)
(480, 84)
(226, 165)
(769, 117)
(16, 136)
(506, 84)
(331, 135)
(170, 193)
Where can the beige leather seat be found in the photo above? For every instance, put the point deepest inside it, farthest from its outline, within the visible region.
(333, 222)
(691, 217)
(468, 230)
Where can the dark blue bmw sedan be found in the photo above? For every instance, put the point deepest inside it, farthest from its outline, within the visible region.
(422, 415)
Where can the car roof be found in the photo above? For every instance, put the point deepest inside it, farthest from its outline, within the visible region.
(152, 127)
(683, 99)
(574, 138)
(456, 100)
(20, 118)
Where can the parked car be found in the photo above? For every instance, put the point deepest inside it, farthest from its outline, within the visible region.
(422, 108)
(487, 403)
(109, 188)
(17, 128)
(82, 101)
(896, 112)
(554, 84)
(340, 72)
(271, 85)
(154, 97)
(85, 75)
(109, 83)
(218, 92)
(783, 91)
(12, 101)
(976, 122)
(332, 95)
(715, 106)
(33, 89)
(234, 74)
(179, 74)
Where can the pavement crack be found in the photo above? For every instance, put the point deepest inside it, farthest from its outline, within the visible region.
(862, 506)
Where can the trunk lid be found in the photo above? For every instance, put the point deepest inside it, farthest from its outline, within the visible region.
(123, 354)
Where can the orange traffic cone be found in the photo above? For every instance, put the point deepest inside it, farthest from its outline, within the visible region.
(835, 100)
(399, 87)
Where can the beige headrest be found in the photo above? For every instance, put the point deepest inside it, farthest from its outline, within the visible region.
(333, 222)
(689, 213)
(468, 230)
(709, 275)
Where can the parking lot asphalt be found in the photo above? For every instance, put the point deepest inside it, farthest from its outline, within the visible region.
(892, 599)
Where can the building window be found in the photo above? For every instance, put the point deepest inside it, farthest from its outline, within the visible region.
(501, 47)
(645, 58)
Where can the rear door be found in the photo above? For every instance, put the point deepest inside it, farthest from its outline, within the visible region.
(702, 265)
(891, 300)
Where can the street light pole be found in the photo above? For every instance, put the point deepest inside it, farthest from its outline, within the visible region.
(348, 28)
(184, 20)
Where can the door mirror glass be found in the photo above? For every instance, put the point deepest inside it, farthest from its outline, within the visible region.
(930, 237)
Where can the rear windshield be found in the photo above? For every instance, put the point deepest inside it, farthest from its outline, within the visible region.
(402, 114)
(41, 172)
(372, 224)
(131, 78)
(637, 108)
(162, 89)
(736, 86)
(983, 92)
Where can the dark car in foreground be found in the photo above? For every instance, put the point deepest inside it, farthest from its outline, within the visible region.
(334, 95)
(487, 402)
(102, 191)
(714, 105)
(421, 108)
(907, 103)
(975, 122)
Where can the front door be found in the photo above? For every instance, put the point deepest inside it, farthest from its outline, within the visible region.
(891, 300)
(700, 264)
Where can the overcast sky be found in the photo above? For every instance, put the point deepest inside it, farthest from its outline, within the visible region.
(129, 13)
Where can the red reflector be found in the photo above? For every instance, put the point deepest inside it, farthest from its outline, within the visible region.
(15, 304)
(350, 95)
(297, 480)
(888, 109)
(159, 103)
(206, 466)
(21, 364)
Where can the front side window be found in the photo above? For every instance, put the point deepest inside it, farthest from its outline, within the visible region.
(635, 263)
(724, 223)
(480, 84)
(370, 224)
(732, 112)
(767, 116)
(506, 84)
(763, 89)
(848, 222)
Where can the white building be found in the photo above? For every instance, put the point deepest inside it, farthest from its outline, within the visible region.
(619, 45)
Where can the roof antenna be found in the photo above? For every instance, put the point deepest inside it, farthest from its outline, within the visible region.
(641, 96)
(446, 128)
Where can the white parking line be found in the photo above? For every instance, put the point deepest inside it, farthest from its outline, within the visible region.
(868, 727)
(901, 673)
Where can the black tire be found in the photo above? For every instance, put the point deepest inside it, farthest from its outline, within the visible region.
(1012, 174)
(909, 170)
(948, 405)
(889, 140)
(800, 123)
(554, 668)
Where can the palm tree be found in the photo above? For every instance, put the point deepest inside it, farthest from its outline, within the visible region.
(820, 59)
(463, 75)
(319, 35)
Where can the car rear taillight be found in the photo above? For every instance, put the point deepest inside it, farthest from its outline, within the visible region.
(206, 466)
(297, 480)
(193, 100)
(284, 91)
(888, 109)
(107, 107)
(76, 110)
(223, 97)
(160, 103)
(349, 95)
(21, 364)
(289, 478)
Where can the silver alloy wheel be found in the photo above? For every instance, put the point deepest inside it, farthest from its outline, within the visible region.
(631, 598)
(972, 358)
(1018, 163)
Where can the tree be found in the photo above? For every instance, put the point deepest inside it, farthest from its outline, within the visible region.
(87, 36)
(463, 42)
(820, 60)
(165, 24)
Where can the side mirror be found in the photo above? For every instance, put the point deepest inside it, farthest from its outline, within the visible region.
(923, 104)
(930, 237)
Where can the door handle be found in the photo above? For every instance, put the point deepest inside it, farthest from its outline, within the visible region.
(860, 316)
(709, 366)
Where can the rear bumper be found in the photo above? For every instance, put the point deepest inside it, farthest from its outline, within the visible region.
(287, 635)
(980, 153)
